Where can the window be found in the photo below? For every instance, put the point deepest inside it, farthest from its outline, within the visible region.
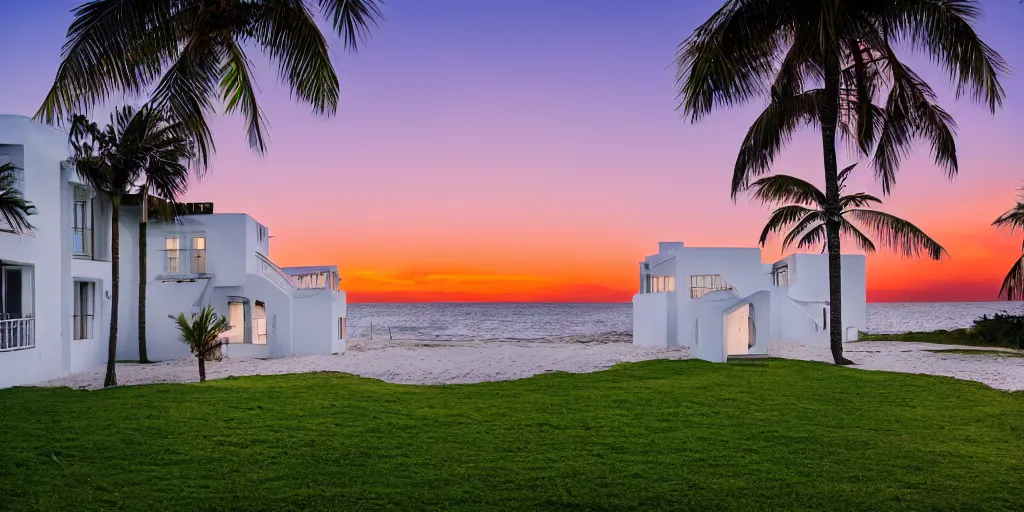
(198, 255)
(172, 256)
(658, 284)
(82, 222)
(85, 300)
(341, 328)
(18, 172)
(19, 180)
(704, 284)
(185, 258)
(780, 274)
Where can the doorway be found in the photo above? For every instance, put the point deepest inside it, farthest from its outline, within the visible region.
(739, 334)
(11, 283)
(240, 319)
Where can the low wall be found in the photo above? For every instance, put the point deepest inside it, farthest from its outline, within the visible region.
(651, 320)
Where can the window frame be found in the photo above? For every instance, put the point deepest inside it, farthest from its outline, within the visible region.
(83, 310)
(82, 222)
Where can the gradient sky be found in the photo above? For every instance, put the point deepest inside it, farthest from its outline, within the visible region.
(529, 150)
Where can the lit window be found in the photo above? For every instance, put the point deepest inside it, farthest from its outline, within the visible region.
(85, 299)
(198, 255)
(172, 256)
(659, 284)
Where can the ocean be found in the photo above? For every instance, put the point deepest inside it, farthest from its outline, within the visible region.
(581, 322)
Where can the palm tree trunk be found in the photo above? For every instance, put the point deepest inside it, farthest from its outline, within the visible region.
(202, 368)
(829, 116)
(115, 282)
(143, 356)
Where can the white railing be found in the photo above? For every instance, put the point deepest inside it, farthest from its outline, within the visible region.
(18, 334)
(317, 280)
(274, 273)
(701, 285)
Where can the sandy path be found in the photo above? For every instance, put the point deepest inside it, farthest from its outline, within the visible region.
(1006, 373)
(405, 362)
(431, 362)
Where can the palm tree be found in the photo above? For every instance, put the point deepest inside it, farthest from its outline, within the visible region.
(803, 217)
(165, 175)
(14, 209)
(825, 64)
(112, 161)
(1013, 283)
(192, 55)
(202, 332)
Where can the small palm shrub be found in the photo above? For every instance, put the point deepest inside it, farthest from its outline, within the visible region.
(202, 334)
(1000, 330)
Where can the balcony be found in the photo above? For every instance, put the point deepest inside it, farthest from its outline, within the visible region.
(17, 334)
(314, 278)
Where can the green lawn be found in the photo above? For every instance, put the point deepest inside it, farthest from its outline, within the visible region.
(660, 435)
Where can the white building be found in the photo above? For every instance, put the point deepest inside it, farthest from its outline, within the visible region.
(723, 302)
(55, 284)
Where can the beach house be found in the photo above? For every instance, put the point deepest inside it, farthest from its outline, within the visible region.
(723, 302)
(55, 283)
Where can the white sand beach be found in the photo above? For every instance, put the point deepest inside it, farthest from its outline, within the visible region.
(431, 362)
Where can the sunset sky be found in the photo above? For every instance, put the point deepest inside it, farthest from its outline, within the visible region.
(529, 150)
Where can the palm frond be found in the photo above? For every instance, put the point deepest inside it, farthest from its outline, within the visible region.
(849, 231)
(814, 237)
(14, 209)
(782, 218)
(1013, 284)
(727, 59)
(842, 175)
(944, 29)
(808, 232)
(910, 113)
(352, 19)
(862, 82)
(773, 129)
(202, 330)
(781, 188)
(897, 234)
(292, 40)
(1013, 218)
(111, 46)
(858, 200)
(239, 93)
(169, 151)
(186, 91)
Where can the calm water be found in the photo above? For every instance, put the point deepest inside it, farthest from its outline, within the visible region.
(532, 321)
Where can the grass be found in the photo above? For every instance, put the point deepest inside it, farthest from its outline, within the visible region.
(972, 352)
(659, 435)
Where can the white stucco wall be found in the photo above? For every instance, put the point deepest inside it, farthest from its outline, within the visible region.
(314, 330)
(651, 319)
(40, 150)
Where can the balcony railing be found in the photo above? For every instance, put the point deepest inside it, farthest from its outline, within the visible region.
(82, 327)
(17, 334)
(317, 280)
(274, 273)
(184, 261)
